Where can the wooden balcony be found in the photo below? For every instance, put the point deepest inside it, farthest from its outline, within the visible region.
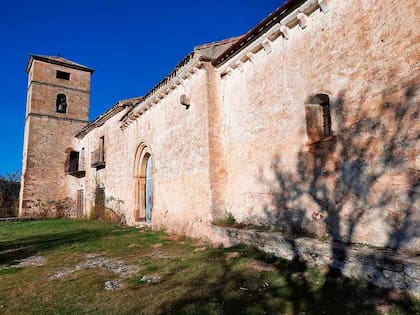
(76, 165)
(98, 159)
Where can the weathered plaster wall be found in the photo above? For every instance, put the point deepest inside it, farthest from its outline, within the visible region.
(114, 177)
(242, 147)
(178, 141)
(177, 138)
(362, 184)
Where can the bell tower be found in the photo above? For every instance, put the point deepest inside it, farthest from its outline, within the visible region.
(57, 106)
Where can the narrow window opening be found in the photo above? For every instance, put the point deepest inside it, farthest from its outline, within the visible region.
(82, 159)
(102, 148)
(318, 118)
(326, 119)
(98, 156)
(75, 165)
(62, 75)
(61, 103)
(74, 161)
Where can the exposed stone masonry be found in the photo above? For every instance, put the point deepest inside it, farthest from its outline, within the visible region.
(378, 266)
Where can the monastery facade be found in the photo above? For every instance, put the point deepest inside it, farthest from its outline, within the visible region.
(308, 124)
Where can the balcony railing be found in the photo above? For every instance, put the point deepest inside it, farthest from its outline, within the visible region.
(98, 159)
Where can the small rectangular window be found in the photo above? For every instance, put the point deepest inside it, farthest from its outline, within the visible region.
(318, 118)
(98, 156)
(74, 162)
(314, 123)
(62, 75)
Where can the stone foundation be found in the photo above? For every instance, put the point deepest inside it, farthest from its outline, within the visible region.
(378, 266)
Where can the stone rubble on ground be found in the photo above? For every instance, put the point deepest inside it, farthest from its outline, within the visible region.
(32, 261)
(116, 266)
(93, 255)
(151, 279)
(112, 285)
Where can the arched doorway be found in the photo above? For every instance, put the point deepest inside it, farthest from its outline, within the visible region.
(143, 176)
(148, 193)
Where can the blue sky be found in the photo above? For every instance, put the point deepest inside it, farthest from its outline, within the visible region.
(130, 44)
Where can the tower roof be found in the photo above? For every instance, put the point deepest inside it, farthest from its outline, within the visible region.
(58, 60)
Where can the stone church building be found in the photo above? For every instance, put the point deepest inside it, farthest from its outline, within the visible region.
(307, 124)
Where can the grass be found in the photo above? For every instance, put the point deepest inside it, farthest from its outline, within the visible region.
(196, 279)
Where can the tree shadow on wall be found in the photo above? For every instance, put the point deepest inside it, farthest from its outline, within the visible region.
(337, 188)
(366, 171)
(345, 184)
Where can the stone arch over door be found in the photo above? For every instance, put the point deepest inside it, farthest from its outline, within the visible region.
(143, 177)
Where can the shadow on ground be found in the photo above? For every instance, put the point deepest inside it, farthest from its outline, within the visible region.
(339, 189)
(20, 248)
(276, 287)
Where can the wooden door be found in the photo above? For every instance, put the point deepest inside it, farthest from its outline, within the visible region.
(149, 190)
(79, 203)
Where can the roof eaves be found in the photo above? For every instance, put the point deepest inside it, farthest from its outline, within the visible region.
(256, 31)
(58, 61)
(218, 43)
(161, 83)
(101, 119)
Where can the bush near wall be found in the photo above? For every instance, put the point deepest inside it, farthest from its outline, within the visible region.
(63, 208)
(9, 196)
